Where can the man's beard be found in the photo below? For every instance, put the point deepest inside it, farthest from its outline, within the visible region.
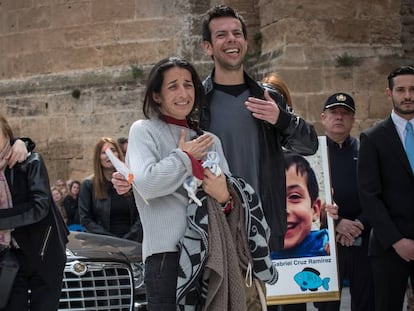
(398, 109)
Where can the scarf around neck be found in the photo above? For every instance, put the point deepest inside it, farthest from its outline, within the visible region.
(5, 195)
(172, 120)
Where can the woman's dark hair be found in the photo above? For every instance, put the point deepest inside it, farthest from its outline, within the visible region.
(154, 84)
(74, 182)
(216, 12)
(304, 169)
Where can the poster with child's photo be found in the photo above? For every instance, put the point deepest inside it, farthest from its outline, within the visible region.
(307, 265)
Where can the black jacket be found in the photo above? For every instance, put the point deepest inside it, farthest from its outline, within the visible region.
(39, 229)
(290, 132)
(95, 214)
(70, 204)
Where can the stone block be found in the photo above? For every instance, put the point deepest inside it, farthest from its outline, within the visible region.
(74, 59)
(8, 22)
(11, 5)
(100, 122)
(300, 104)
(79, 169)
(138, 53)
(64, 149)
(34, 18)
(80, 36)
(303, 80)
(155, 9)
(124, 119)
(60, 130)
(338, 80)
(63, 104)
(315, 106)
(117, 99)
(146, 29)
(362, 103)
(5, 68)
(25, 107)
(293, 55)
(379, 106)
(21, 43)
(35, 128)
(108, 10)
(71, 14)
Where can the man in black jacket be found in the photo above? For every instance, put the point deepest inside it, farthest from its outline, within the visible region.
(253, 125)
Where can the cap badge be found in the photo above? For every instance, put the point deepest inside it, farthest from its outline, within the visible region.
(341, 97)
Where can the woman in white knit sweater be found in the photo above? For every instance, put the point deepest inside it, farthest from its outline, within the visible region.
(163, 151)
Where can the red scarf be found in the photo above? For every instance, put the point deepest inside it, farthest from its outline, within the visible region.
(171, 120)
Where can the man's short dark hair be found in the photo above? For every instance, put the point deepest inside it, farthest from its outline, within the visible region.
(403, 70)
(122, 140)
(216, 12)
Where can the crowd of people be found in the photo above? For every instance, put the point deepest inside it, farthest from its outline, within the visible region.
(202, 149)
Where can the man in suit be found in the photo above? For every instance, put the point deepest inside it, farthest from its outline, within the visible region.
(386, 187)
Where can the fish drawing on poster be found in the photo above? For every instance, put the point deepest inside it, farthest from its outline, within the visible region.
(309, 279)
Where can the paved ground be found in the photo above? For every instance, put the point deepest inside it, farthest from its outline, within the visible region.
(345, 302)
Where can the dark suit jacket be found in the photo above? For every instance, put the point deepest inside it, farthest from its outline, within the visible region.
(386, 185)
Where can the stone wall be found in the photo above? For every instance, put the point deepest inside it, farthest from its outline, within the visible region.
(308, 46)
(74, 70)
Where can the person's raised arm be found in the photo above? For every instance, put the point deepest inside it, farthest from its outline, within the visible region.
(20, 150)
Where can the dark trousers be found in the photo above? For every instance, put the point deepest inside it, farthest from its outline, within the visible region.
(289, 307)
(161, 271)
(354, 265)
(42, 296)
(391, 274)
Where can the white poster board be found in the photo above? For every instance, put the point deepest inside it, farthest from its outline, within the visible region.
(304, 279)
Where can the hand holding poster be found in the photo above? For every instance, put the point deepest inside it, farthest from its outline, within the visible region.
(307, 265)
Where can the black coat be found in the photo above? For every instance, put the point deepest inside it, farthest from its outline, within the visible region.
(95, 215)
(39, 229)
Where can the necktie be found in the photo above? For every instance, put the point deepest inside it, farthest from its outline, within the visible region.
(409, 144)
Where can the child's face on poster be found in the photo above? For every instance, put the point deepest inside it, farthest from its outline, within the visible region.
(301, 212)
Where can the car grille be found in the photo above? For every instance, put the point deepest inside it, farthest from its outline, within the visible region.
(101, 286)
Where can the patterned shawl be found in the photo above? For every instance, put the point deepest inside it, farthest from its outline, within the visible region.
(215, 249)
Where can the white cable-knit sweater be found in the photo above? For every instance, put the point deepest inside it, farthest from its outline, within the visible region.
(159, 169)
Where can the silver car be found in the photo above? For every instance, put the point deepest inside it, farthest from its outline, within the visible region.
(102, 273)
